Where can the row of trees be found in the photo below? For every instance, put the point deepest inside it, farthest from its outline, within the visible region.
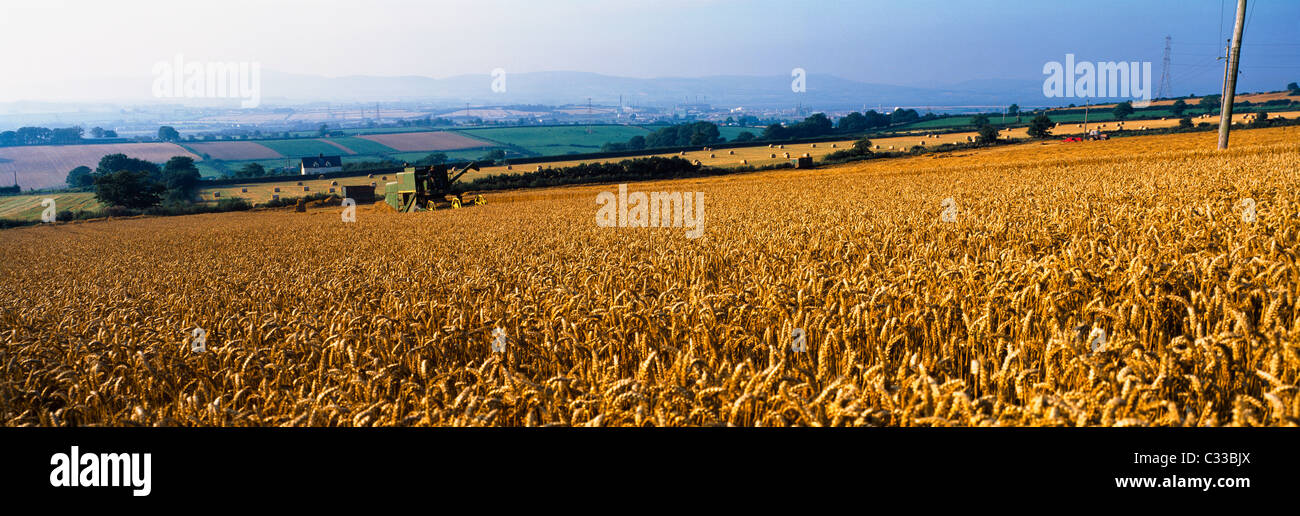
(680, 135)
(120, 180)
(46, 136)
(818, 124)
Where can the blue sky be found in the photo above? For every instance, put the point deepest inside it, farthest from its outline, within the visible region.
(913, 42)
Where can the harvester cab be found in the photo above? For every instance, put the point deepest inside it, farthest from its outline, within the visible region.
(426, 188)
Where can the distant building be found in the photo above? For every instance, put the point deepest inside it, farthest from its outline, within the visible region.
(322, 164)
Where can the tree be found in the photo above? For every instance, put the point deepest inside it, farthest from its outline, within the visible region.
(493, 155)
(34, 135)
(128, 189)
(181, 178)
(251, 170)
(324, 129)
(852, 123)
(1261, 119)
(436, 158)
(696, 133)
(1040, 126)
(862, 146)
(744, 136)
(816, 125)
(1210, 102)
(1123, 110)
(636, 142)
(903, 116)
(1184, 123)
(66, 135)
(1293, 88)
(1179, 107)
(979, 120)
(117, 162)
(775, 132)
(97, 132)
(168, 133)
(109, 133)
(80, 177)
(1013, 110)
(988, 135)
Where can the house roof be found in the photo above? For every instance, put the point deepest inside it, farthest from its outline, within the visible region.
(322, 161)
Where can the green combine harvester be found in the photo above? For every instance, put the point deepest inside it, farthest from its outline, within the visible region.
(427, 188)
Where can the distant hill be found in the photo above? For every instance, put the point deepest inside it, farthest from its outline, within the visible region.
(558, 88)
(824, 92)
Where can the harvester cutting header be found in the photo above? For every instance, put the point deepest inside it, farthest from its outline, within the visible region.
(427, 188)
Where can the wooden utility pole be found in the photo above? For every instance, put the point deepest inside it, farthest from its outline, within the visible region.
(1230, 88)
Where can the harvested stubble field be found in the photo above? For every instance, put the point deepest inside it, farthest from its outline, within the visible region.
(910, 320)
(47, 166)
(425, 141)
(235, 150)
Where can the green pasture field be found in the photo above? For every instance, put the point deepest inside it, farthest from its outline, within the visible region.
(303, 148)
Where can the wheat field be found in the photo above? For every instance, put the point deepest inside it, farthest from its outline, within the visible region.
(1147, 281)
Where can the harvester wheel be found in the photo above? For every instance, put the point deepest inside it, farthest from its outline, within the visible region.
(455, 202)
(479, 200)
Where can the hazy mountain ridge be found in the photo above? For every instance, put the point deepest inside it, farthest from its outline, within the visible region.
(563, 88)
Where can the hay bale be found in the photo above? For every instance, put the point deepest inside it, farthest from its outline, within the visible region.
(243, 190)
(334, 183)
(682, 153)
(834, 146)
(322, 176)
(744, 162)
(773, 155)
(383, 178)
(509, 167)
(814, 146)
(769, 145)
(370, 176)
(782, 147)
(216, 195)
(731, 153)
(277, 189)
(787, 154)
(373, 184)
(306, 188)
(299, 183)
(806, 155)
(539, 168)
(711, 155)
